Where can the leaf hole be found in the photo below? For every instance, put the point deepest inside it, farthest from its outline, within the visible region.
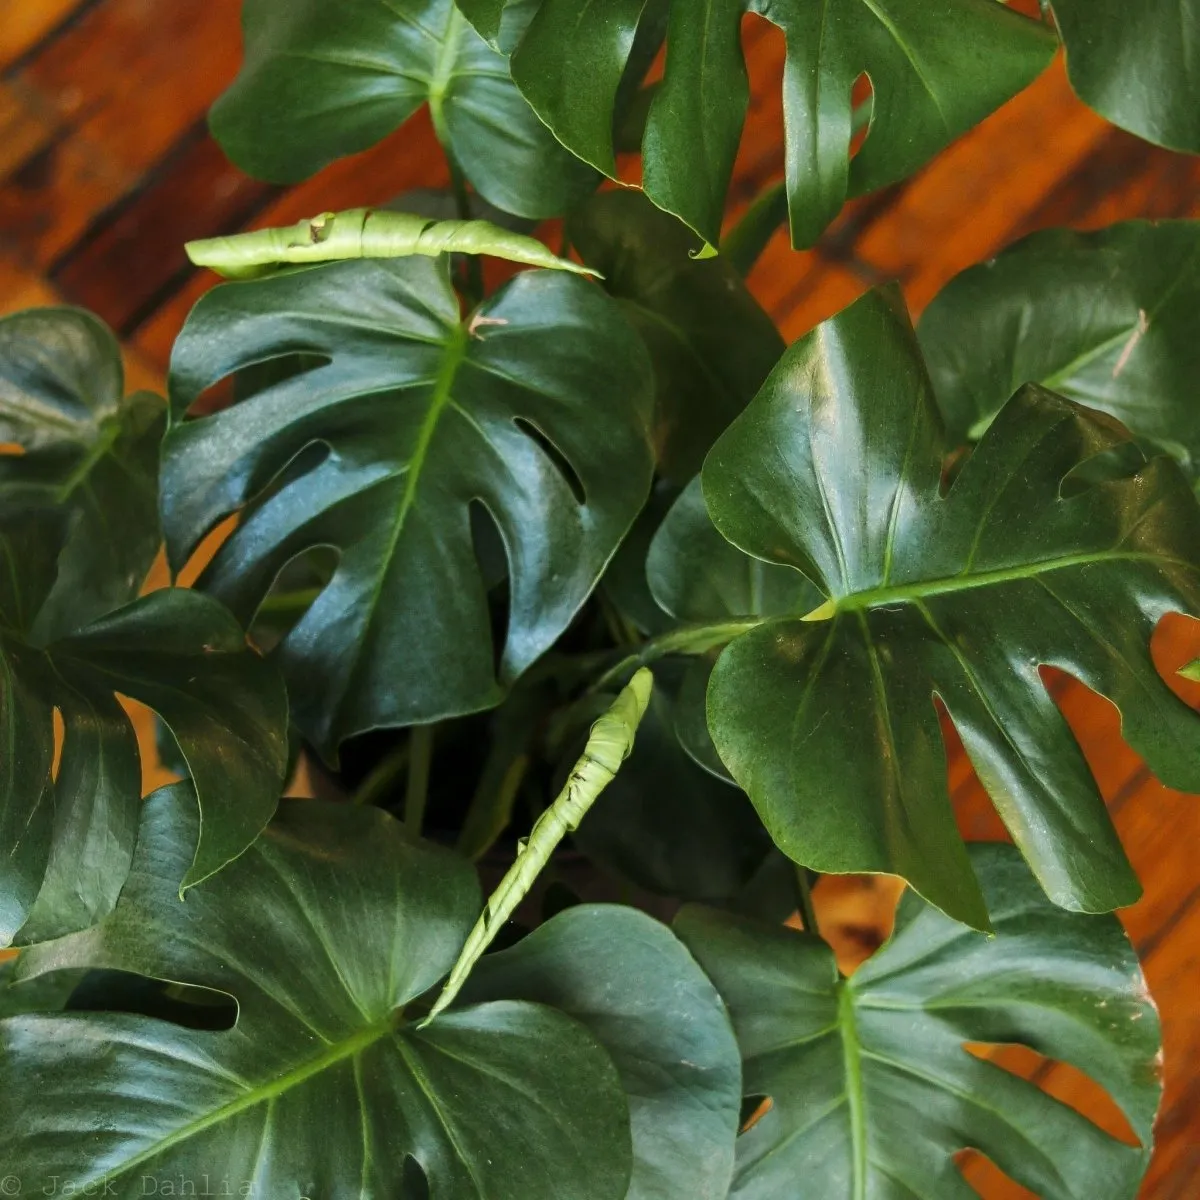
(754, 1108)
(180, 1004)
(295, 588)
(556, 456)
(60, 737)
(414, 1185)
(1062, 1081)
(862, 109)
(1117, 462)
(491, 556)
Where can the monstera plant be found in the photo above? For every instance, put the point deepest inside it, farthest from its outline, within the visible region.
(583, 592)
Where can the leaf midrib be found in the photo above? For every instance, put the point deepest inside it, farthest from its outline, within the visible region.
(699, 638)
(335, 1053)
(907, 593)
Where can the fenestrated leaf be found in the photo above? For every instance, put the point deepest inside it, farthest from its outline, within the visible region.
(872, 1089)
(829, 722)
(89, 451)
(320, 81)
(937, 67)
(639, 992)
(1105, 318)
(416, 414)
(367, 233)
(67, 840)
(326, 929)
(1137, 67)
(710, 341)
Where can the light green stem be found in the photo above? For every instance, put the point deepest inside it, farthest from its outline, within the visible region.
(688, 639)
(808, 914)
(420, 755)
(608, 745)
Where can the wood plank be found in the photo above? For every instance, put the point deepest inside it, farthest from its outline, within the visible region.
(130, 262)
(410, 158)
(173, 59)
(27, 22)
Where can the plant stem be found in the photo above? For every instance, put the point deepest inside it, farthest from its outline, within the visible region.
(690, 639)
(419, 758)
(382, 776)
(808, 914)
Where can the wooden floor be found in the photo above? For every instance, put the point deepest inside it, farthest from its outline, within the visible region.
(106, 168)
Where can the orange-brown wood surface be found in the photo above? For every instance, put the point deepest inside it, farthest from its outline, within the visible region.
(106, 168)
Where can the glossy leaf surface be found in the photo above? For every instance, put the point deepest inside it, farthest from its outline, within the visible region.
(413, 416)
(1137, 67)
(90, 452)
(872, 1089)
(936, 66)
(322, 81)
(829, 722)
(327, 927)
(68, 836)
(711, 343)
(1105, 318)
(642, 996)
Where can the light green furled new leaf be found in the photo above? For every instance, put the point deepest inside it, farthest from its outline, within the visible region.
(873, 1092)
(828, 718)
(367, 233)
(90, 451)
(323, 932)
(609, 744)
(322, 80)
(641, 995)
(1137, 66)
(1105, 318)
(533, 412)
(937, 67)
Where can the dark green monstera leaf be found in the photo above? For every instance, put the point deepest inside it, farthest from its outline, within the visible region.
(872, 1090)
(322, 81)
(67, 835)
(644, 999)
(828, 718)
(78, 530)
(536, 408)
(327, 930)
(1105, 318)
(1137, 66)
(711, 343)
(89, 451)
(936, 66)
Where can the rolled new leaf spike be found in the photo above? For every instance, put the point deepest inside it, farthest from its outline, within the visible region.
(367, 233)
(609, 744)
